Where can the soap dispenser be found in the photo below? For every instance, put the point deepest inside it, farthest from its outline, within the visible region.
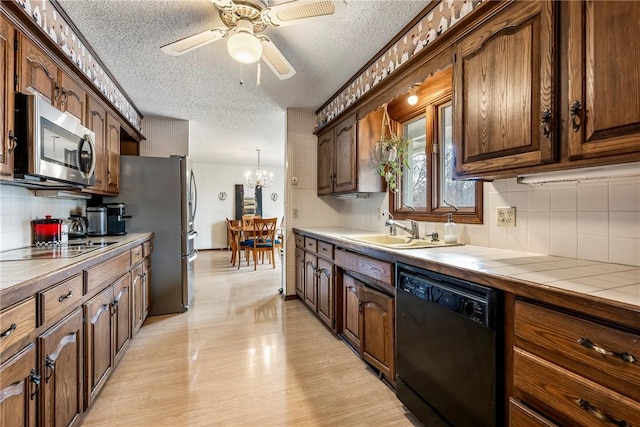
(450, 230)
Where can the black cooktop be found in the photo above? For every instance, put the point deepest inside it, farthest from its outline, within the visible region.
(67, 250)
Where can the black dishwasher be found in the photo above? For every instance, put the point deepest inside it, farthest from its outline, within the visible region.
(448, 349)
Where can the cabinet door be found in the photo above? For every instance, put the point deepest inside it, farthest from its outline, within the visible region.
(7, 34)
(122, 313)
(97, 122)
(18, 391)
(325, 292)
(99, 346)
(310, 283)
(300, 273)
(146, 287)
(138, 295)
(72, 97)
(376, 331)
(345, 178)
(37, 69)
(351, 310)
(112, 153)
(604, 81)
(503, 87)
(325, 162)
(61, 358)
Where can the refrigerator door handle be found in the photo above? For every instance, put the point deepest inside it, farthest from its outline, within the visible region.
(192, 235)
(192, 256)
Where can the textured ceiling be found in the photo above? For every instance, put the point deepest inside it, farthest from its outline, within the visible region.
(230, 120)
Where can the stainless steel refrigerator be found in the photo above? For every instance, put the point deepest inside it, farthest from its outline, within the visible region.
(161, 196)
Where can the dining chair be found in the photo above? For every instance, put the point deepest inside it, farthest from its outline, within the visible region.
(279, 242)
(264, 236)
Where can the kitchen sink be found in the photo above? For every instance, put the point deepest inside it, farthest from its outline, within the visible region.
(397, 242)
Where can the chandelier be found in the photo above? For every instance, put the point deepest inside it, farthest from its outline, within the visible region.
(262, 178)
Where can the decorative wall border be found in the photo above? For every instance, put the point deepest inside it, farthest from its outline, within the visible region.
(45, 14)
(437, 21)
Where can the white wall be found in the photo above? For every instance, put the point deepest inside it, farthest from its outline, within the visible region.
(213, 179)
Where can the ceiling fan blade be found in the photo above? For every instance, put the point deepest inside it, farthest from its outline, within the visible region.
(275, 60)
(195, 41)
(227, 5)
(303, 11)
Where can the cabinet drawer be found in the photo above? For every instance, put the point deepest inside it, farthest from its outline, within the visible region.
(569, 398)
(522, 416)
(136, 255)
(325, 249)
(16, 323)
(147, 248)
(311, 244)
(103, 273)
(299, 241)
(379, 270)
(60, 298)
(599, 352)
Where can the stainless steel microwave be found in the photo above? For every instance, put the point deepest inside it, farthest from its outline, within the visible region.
(53, 147)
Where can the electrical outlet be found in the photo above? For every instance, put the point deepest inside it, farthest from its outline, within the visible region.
(295, 212)
(506, 217)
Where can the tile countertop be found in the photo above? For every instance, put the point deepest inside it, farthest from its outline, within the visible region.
(615, 282)
(13, 273)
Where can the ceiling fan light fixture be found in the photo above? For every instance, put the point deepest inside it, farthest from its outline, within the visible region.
(243, 46)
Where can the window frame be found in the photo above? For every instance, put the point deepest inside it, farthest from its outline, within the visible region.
(431, 108)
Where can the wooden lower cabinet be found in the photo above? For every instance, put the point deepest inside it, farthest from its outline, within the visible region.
(99, 345)
(121, 312)
(570, 369)
(19, 389)
(377, 330)
(300, 273)
(138, 296)
(351, 310)
(310, 284)
(324, 291)
(62, 368)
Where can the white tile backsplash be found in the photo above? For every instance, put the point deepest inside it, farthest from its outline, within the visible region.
(593, 197)
(18, 206)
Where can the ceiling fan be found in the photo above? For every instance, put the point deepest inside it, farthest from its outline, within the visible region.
(244, 19)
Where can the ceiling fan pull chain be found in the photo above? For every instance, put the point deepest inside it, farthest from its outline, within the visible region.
(258, 78)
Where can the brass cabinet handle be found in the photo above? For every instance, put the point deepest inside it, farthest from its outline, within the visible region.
(64, 297)
(624, 356)
(546, 117)
(9, 331)
(13, 141)
(584, 404)
(575, 119)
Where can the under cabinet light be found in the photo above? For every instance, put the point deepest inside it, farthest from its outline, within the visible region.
(583, 174)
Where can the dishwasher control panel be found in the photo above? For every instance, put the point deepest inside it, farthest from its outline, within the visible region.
(467, 299)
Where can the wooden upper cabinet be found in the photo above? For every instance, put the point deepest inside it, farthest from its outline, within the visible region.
(325, 162)
(71, 96)
(7, 34)
(345, 178)
(96, 118)
(36, 69)
(503, 92)
(604, 78)
(112, 146)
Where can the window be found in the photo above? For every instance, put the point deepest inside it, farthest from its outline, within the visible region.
(427, 190)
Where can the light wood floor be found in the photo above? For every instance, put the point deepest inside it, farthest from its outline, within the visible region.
(242, 357)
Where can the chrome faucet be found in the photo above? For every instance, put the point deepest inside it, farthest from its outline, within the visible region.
(390, 223)
(414, 231)
(434, 236)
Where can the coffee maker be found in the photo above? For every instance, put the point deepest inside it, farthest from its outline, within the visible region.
(116, 219)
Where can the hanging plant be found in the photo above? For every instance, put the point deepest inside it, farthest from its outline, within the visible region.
(390, 153)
